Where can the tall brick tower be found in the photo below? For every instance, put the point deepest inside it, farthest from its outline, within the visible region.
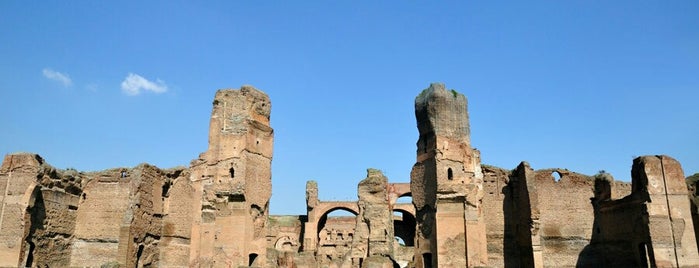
(236, 184)
(447, 183)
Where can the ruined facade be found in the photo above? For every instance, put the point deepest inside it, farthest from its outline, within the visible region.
(215, 213)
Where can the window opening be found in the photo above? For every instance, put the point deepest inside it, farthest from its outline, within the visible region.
(252, 258)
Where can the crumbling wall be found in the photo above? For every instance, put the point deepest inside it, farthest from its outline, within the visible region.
(99, 218)
(75, 218)
(374, 226)
(338, 243)
(566, 215)
(447, 183)
(179, 207)
(143, 222)
(17, 181)
(670, 223)
(38, 211)
(650, 227)
(464, 214)
(548, 218)
(51, 227)
(310, 242)
(522, 236)
(284, 234)
(495, 182)
(233, 180)
(619, 225)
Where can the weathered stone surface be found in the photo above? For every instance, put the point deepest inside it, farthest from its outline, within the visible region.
(233, 180)
(442, 113)
(447, 183)
(670, 222)
(214, 213)
(376, 214)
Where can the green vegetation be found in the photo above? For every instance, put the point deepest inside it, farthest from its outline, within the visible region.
(422, 93)
(453, 92)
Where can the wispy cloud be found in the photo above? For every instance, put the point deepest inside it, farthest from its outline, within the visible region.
(134, 83)
(58, 77)
(92, 87)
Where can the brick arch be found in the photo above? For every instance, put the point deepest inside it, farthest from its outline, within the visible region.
(325, 208)
(398, 190)
(404, 208)
(405, 228)
(320, 210)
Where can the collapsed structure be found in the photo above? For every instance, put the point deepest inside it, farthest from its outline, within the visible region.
(215, 213)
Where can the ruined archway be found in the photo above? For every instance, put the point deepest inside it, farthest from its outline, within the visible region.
(404, 226)
(406, 198)
(345, 213)
(324, 208)
(336, 229)
(34, 218)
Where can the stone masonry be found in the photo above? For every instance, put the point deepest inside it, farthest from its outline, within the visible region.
(462, 213)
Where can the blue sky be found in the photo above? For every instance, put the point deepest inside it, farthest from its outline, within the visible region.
(583, 85)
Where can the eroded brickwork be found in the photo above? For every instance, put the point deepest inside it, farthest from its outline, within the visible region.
(215, 213)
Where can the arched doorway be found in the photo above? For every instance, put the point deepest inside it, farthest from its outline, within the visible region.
(335, 234)
(404, 227)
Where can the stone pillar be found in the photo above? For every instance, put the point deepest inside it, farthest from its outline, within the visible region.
(376, 218)
(670, 224)
(446, 183)
(524, 219)
(235, 176)
(310, 236)
(17, 181)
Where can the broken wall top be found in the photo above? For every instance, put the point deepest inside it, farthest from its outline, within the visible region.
(658, 174)
(442, 113)
(16, 161)
(240, 122)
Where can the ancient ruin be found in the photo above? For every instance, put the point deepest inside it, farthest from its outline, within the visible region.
(215, 213)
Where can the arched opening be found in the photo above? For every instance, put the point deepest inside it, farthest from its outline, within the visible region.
(404, 227)
(166, 189)
(556, 176)
(450, 174)
(286, 244)
(335, 233)
(36, 216)
(399, 241)
(232, 172)
(251, 259)
(406, 198)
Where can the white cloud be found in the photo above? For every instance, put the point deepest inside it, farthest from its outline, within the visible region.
(134, 83)
(58, 77)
